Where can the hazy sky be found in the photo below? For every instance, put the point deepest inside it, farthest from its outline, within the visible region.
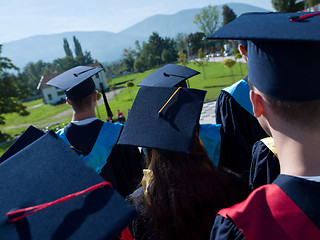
(24, 18)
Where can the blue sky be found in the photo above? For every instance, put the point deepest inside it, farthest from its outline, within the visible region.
(24, 18)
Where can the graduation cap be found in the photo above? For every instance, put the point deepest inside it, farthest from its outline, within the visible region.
(76, 82)
(282, 51)
(43, 174)
(170, 75)
(164, 118)
(26, 138)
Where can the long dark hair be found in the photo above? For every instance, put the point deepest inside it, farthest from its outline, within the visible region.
(186, 193)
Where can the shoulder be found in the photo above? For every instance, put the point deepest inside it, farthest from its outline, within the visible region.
(237, 187)
(224, 229)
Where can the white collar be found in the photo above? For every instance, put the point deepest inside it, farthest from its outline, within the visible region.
(84, 121)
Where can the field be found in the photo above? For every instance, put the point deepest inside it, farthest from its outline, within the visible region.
(213, 77)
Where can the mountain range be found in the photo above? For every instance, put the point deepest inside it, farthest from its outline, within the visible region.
(107, 46)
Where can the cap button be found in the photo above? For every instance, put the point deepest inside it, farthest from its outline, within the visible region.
(165, 74)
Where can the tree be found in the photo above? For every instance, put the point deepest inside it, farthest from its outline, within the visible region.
(227, 14)
(311, 3)
(85, 59)
(130, 84)
(155, 52)
(66, 47)
(287, 5)
(183, 58)
(202, 61)
(77, 47)
(207, 19)
(169, 52)
(236, 57)
(229, 63)
(68, 62)
(180, 42)
(128, 60)
(64, 64)
(113, 68)
(5, 63)
(195, 41)
(12, 89)
(139, 64)
(32, 73)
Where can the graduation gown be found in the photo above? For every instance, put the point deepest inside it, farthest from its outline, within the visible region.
(265, 166)
(211, 139)
(286, 209)
(96, 144)
(239, 128)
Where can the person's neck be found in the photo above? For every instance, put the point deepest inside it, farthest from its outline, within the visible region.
(78, 116)
(298, 152)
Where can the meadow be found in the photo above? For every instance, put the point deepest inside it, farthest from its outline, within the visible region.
(214, 76)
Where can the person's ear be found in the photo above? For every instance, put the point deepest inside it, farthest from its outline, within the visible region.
(68, 101)
(257, 103)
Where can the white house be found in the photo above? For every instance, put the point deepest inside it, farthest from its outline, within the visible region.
(53, 95)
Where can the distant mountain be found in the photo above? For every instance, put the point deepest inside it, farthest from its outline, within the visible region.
(170, 25)
(107, 46)
(103, 46)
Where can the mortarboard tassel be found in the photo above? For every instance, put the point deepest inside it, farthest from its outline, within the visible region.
(30, 210)
(168, 101)
(293, 19)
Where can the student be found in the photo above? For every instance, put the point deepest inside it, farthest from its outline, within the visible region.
(283, 58)
(173, 75)
(239, 127)
(94, 139)
(181, 190)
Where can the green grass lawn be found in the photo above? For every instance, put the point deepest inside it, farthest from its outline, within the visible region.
(213, 78)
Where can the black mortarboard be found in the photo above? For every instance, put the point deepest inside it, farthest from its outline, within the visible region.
(26, 138)
(282, 51)
(76, 82)
(164, 118)
(45, 171)
(170, 75)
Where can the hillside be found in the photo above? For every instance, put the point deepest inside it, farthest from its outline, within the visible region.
(104, 46)
(107, 46)
(170, 25)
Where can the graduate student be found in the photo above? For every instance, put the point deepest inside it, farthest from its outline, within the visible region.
(239, 127)
(94, 139)
(181, 190)
(173, 75)
(283, 58)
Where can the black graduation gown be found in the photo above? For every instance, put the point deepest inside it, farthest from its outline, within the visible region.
(298, 193)
(265, 166)
(124, 165)
(239, 131)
